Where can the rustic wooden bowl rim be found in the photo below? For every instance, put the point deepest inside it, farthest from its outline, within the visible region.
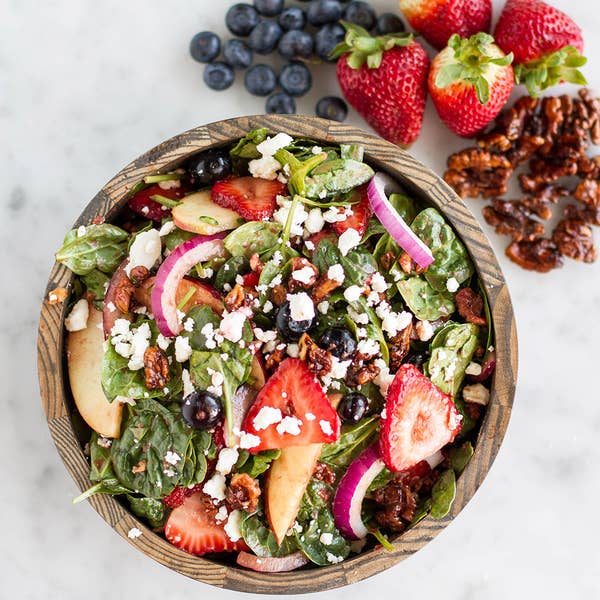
(418, 179)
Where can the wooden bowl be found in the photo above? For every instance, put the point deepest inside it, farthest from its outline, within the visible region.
(420, 181)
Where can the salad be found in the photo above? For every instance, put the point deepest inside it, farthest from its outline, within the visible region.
(280, 353)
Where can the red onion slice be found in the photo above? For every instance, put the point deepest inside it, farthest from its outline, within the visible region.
(487, 368)
(379, 188)
(350, 494)
(171, 272)
(271, 564)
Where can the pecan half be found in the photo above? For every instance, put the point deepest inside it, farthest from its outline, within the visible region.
(123, 294)
(138, 275)
(318, 360)
(156, 368)
(588, 214)
(324, 473)
(470, 306)
(588, 192)
(323, 288)
(304, 274)
(512, 219)
(243, 493)
(235, 298)
(278, 295)
(574, 238)
(540, 255)
(140, 467)
(273, 359)
(255, 263)
(399, 347)
(360, 373)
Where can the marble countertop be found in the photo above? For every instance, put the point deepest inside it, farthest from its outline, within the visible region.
(85, 87)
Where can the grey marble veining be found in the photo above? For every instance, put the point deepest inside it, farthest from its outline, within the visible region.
(85, 87)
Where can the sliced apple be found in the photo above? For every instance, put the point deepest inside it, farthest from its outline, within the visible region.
(199, 214)
(84, 359)
(286, 483)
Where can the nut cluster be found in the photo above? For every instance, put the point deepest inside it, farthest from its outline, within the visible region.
(551, 136)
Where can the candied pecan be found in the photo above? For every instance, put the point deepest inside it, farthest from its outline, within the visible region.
(494, 141)
(524, 149)
(308, 276)
(98, 220)
(235, 298)
(140, 467)
(138, 275)
(471, 183)
(589, 214)
(156, 368)
(512, 219)
(512, 121)
(399, 347)
(473, 410)
(470, 306)
(323, 288)
(539, 255)
(552, 110)
(242, 493)
(359, 373)
(324, 473)
(278, 295)
(273, 359)
(255, 263)
(478, 159)
(57, 295)
(123, 293)
(387, 260)
(588, 192)
(317, 360)
(574, 238)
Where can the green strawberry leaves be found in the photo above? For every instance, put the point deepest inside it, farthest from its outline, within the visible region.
(562, 65)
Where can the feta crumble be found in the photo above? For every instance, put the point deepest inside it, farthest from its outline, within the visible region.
(166, 228)
(304, 275)
(215, 487)
(172, 457)
(326, 427)
(314, 222)
(134, 533)
(353, 293)
(267, 416)
(222, 514)
(232, 325)
(424, 330)
(289, 425)
(145, 250)
(326, 538)
(336, 273)
(323, 307)
(78, 317)
(378, 283)
(473, 368)
(233, 527)
(188, 386)
(301, 307)
(265, 167)
(452, 285)
(272, 144)
(248, 440)
(183, 350)
(226, 461)
(348, 240)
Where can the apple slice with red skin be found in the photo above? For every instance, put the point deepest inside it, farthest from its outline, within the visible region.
(199, 214)
(286, 483)
(85, 352)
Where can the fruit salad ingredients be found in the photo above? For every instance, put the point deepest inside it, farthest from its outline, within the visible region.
(218, 76)
(201, 410)
(207, 167)
(251, 197)
(469, 82)
(205, 46)
(332, 108)
(280, 103)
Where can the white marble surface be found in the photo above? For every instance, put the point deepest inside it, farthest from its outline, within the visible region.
(85, 87)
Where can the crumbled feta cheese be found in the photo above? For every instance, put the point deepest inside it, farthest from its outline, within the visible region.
(248, 440)
(348, 240)
(222, 514)
(323, 307)
(172, 457)
(301, 307)
(326, 427)
(125, 400)
(267, 306)
(104, 442)
(265, 167)
(336, 273)
(452, 285)
(299, 217)
(334, 215)
(315, 221)
(384, 378)
(209, 333)
(289, 425)
(188, 386)
(134, 533)
(317, 150)
(226, 461)
(145, 250)
(393, 322)
(361, 318)
(272, 144)
(378, 283)
(368, 348)
(140, 340)
(166, 228)
(233, 527)
(215, 487)
(353, 293)
(266, 416)
(264, 336)
(473, 368)
(293, 350)
(78, 317)
(476, 393)
(304, 275)
(81, 231)
(424, 330)
(183, 350)
(309, 417)
(309, 245)
(277, 258)
(333, 559)
(326, 538)
(169, 184)
(232, 325)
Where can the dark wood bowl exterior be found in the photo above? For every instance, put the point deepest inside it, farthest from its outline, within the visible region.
(417, 179)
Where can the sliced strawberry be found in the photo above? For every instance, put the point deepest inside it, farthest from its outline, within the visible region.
(142, 203)
(193, 528)
(361, 213)
(315, 238)
(293, 390)
(251, 279)
(253, 198)
(419, 420)
(177, 497)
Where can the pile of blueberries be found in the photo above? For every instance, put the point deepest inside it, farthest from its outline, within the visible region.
(300, 35)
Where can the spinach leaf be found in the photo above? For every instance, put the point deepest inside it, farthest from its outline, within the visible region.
(452, 349)
(251, 237)
(451, 258)
(100, 465)
(384, 245)
(336, 177)
(353, 440)
(443, 494)
(352, 152)
(96, 283)
(423, 300)
(309, 540)
(314, 500)
(358, 264)
(381, 480)
(255, 464)
(374, 227)
(149, 508)
(101, 247)
(460, 456)
(229, 270)
(404, 206)
(176, 237)
(200, 315)
(261, 540)
(246, 147)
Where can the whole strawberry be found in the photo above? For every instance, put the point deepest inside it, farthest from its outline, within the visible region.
(385, 80)
(546, 43)
(437, 20)
(469, 82)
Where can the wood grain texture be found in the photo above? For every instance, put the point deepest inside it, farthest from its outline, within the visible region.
(420, 181)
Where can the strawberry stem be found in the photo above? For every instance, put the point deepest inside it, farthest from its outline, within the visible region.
(562, 65)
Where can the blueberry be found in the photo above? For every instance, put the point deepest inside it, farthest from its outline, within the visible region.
(218, 76)
(201, 410)
(208, 167)
(265, 37)
(237, 54)
(416, 358)
(340, 342)
(327, 38)
(353, 407)
(260, 80)
(295, 79)
(324, 11)
(389, 23)
(241, 19)
(292, 17)
(289, 329)
(205, 46)
(269, 8)
(360, 13)
(280, 103)
(296, 44)
(332, 108)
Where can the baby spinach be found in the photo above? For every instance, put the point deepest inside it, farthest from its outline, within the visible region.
(451, 258)
(309, 539)
(229, 270)
(200, 315)
(452, 349)
(352, 152)
(149, 508)
(424, 301)
(255, 464)
(96, 283)
(443, 494)
(353, 440)
(252, 237)
(245, 149)
(336, 177)
(260, 538)
(101, 247)
(358, 264)
(460, 456)
(404, 206)
(176, 237)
